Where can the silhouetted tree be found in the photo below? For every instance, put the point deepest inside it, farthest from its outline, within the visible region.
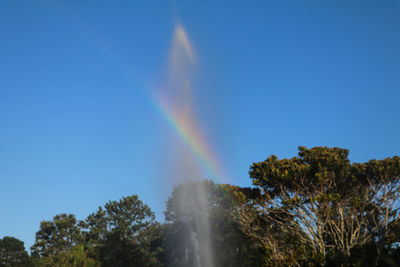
(122, 233)
(12, 252)
(324, 202)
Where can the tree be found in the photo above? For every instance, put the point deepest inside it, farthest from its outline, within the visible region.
(323, 201)
(55, 238)
(276, 245)
(77, 256)
(122, 233)
(12, 252)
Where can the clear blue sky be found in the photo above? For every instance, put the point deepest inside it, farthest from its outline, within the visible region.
(77, 128)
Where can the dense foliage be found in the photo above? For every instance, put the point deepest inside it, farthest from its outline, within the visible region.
(12, 252)
(334, 211)
(316, 209)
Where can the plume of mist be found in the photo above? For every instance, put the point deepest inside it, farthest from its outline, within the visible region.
(178, 93)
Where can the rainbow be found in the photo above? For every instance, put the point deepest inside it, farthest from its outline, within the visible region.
(189, 134)
(183, 126)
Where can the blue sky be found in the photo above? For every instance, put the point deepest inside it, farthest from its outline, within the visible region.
(77, 127)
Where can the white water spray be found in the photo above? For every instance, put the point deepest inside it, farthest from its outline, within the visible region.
(178, 94)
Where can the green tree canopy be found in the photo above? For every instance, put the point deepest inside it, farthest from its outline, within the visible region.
(12, 252)
(55, 238)
(122, 233)
(325, 201)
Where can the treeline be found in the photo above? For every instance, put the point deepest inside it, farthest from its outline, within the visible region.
(316, 209)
